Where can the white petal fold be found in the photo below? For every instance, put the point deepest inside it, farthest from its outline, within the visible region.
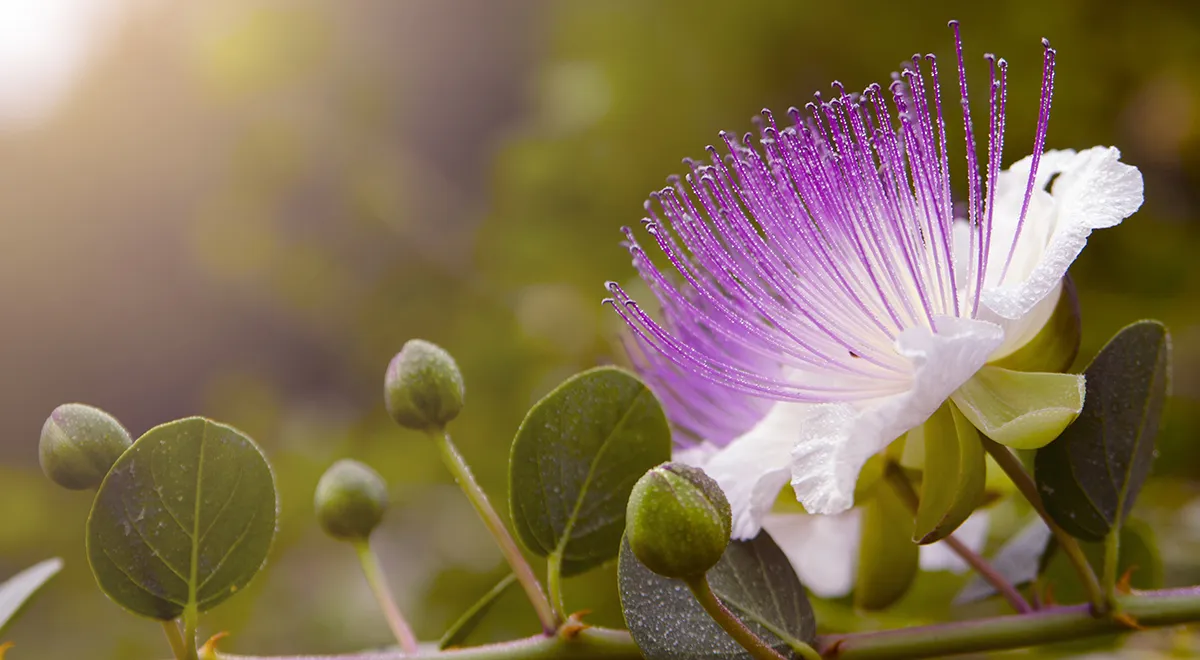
(756, 466)
(837, 439)
(1093, 190)
(823, 550)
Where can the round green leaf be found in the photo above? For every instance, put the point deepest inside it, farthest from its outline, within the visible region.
(1090, 477)
(754, 579)
(575, 460)
(183, 520)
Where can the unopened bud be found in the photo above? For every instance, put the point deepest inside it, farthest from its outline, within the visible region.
(423, 388)
(678, 521)
(79, 445)
(350, 500)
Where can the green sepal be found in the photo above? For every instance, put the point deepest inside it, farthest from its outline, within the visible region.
(1021, 410)
(1055, 346)
(955, 473)
(888, 560)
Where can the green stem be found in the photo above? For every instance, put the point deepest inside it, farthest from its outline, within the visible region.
(378, 582)
(585, 644)
(904, 489)
(191, 619)
(508, 546)
(1112, 554)
(703, 592)
(175, 638)
(1015, 470)
(554, 583)
(1148, 609)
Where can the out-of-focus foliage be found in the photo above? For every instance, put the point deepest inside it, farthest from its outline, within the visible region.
(247, 207)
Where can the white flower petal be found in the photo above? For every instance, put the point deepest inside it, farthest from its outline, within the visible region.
(972, 533)
(695, 455)
(823, 550)
(837, 439)
(755, 467)
(1094, 190)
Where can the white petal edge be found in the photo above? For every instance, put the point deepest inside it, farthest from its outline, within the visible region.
(756, 466)
(823, 550)
(837, 439)
(1094, 190)
(972, 533)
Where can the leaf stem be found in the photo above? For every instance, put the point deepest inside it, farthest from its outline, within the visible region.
(903, 487)
(1012, 466)
(703, 592)
(1112, 555)
(175, 638)
(460, 629)
(508, 546)
(191, 619)
(378, 582)
(554, 582)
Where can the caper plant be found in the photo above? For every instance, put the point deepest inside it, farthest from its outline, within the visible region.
(846, 372)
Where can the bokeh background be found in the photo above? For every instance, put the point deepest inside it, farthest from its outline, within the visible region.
(242, 209)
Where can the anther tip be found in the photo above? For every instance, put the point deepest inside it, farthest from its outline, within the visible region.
(953, 23)
(1045, 42)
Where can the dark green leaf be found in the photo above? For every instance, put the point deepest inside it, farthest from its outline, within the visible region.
(575, 460)
(459, 631)
(1018, 561)
(1090, 476)
(184, 519)
(888, 560)
(17, 591)
(754, 579)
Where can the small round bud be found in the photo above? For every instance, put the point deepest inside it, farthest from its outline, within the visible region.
(79, 445)
(678, 521)
(350, 500)
(423, 388)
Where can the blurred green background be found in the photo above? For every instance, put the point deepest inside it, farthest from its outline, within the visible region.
(243, 208)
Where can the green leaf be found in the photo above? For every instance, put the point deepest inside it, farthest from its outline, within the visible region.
(1090, 477)
(755, 581)
(1022, 410)
(955, 473)
(183, 520)
(575, 460)
(465, 624)
(888, 560)
(16, 593)
(1018, 561)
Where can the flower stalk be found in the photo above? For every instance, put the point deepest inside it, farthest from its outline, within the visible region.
(703, 592)
(174, 638)
(1016, 472)
(375, 577)
(508, 546)
(900, 483)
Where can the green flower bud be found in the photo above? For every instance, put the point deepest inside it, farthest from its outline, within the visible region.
(79, 445)
(423, 388)
(1054, 347)
(350, 500)
(678, 521)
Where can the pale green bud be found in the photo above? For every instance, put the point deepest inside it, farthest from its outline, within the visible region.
(423, 388)
(350, 500)
(678, 521)
(79, 445)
